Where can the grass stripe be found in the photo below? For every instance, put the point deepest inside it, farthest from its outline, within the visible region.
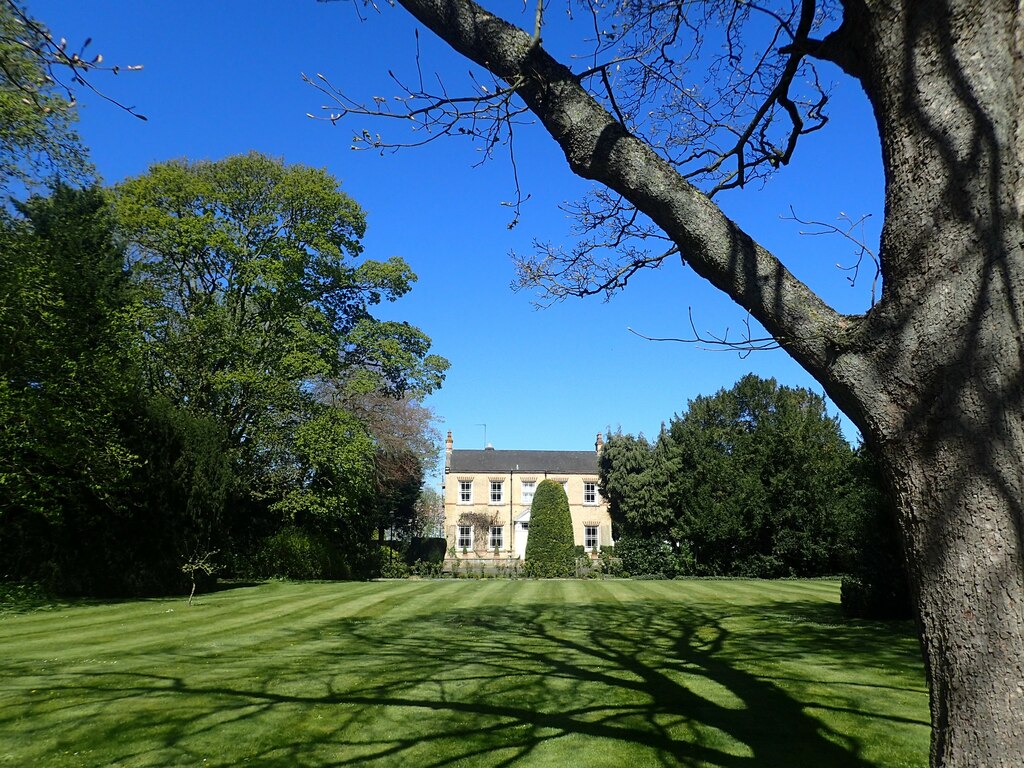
(691, 673)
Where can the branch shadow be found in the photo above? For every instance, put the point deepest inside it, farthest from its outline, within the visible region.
(644, 683)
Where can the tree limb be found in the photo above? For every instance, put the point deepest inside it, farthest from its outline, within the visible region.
(598, 147)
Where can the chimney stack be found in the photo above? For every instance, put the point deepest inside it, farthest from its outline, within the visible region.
(600, 443)
(448, 443)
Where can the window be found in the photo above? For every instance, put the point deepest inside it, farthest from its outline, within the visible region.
(529, 486)
(589, 492)
(590, 539)
(465, 491)
(465, 540)
(497, 538)
(496, 491)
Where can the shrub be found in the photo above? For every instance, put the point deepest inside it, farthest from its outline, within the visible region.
(294, 553)
(392, 564)
(429, 550)
(643, 556)
(550, 552)
(608, 563)
(426, 568)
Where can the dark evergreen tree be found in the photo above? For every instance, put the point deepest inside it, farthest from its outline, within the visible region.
(634, 480)
(876, 586)
(762, 483)
(550, 552)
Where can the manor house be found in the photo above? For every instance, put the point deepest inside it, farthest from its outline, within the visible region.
(488, 493)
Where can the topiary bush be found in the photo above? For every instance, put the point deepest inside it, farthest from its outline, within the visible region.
(429, 550)
(550, 550)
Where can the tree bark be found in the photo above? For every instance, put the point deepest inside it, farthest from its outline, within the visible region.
(934, 374)
(945, 81)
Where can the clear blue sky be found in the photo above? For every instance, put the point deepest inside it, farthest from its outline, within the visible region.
(223, 77)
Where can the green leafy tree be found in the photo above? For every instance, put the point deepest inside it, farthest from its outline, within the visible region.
(66, 360)
(102, 488)
(260, 316)
(550, 552)
(762, 482)
(634, 480)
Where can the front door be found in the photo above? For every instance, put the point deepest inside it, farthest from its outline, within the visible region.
(522, 532)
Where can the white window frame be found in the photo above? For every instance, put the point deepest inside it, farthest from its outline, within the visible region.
(526, 491)
(591, 542)
(496, 539)
(589, 489)
(498, 498)
(464, 540)
(465, 490)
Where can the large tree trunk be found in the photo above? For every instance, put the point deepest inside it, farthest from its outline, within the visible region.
(959, 502)
(947, 91)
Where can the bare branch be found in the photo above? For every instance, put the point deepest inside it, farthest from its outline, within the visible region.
(598, 147)
(486, 116)
(57, 58)
(744, 345)
(853, 231)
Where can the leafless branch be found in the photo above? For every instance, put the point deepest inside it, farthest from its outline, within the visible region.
(744, 345)
(722, 91)
(58, 59)
(852, 230)
(486, 116)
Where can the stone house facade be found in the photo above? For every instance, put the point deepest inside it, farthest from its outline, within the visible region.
(488, 493)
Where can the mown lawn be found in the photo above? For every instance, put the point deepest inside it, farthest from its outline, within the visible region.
(465, 673)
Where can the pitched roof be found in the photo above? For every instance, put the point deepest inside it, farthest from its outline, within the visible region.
(502, 462)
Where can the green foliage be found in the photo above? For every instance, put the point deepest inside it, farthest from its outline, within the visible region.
(258, 315)
(22, 597)
(549, 548)
(198, 401)
(392, 564)
(646, 556)
(762, 483)
(295, 553)
(634, 480)
(333, 472)
(430, 550)
(754, 481)
(608, 563)
(68, 388)
(877, 586)
(103, 489)
(66, 361)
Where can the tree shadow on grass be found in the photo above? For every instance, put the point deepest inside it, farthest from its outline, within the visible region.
(640, 683)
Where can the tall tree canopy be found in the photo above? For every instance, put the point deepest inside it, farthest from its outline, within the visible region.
(762, 482)
(932, 373)
(104, 489)
(756, 480)
(190, 364)
(259, 304)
